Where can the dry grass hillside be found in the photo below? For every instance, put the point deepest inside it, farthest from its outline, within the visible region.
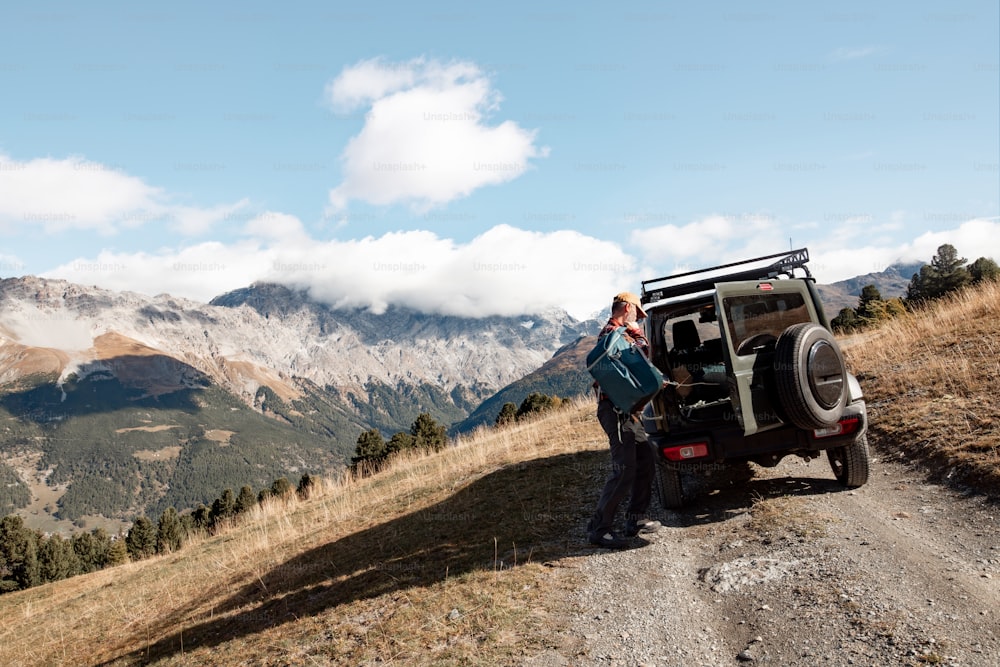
(452, 558)
(932, 381)
(441, 559)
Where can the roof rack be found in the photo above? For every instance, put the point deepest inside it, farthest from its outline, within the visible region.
(785, 264)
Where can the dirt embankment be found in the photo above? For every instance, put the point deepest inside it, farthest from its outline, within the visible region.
(789, 568)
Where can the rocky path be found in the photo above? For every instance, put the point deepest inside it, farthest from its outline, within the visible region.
(788, 568)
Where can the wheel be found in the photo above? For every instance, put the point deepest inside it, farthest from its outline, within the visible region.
(668, 485)
(810, 376)
(850, 462)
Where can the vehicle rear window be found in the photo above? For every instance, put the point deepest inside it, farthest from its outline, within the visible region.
(761, 316)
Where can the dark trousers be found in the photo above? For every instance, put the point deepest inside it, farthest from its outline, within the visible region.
(632, 469)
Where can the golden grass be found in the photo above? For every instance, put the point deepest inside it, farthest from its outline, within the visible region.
(932, 382)
(439, 559)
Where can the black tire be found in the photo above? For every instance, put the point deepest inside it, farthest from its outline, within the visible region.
(668, 485)
(850, 463)
(810, 376)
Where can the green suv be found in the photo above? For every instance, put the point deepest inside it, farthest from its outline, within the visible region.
(754, 373)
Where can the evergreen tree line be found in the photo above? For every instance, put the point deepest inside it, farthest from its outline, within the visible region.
(535, 403)
(372, 450)
(946, 273)
(425, 434)
(29, 558)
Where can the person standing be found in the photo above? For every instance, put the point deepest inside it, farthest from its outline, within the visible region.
(632, 462)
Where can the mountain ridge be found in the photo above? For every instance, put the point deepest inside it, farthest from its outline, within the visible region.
(77, 364)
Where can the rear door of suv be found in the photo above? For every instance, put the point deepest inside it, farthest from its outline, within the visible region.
(752, 314)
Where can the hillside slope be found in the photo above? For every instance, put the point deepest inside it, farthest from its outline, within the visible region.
(564, 375)
(475, 555)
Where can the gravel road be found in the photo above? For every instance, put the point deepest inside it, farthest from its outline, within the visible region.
(788, 568)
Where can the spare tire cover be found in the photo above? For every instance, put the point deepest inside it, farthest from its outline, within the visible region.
(810, 375)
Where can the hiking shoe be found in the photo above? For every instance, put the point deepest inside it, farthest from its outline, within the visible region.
(608, 540)
(642, 527)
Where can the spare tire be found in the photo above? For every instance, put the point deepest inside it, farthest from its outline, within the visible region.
(810, 376)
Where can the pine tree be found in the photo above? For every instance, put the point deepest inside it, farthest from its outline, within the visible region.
(91, 548)
(428, 434)
(371, 450)
(168, 532)
(281, 488)
(400, 442)
(18, 555)
(951, 268)
(507, 416)
(983, 269)
(307, 484)
(223, 507)
(946, 273)
(246, 500)
(846, 320)
(141, 539)
(533, 403)
(117, 552)
(202, 517)
(56, 559)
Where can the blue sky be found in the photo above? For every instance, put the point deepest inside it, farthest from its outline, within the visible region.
(490, 159)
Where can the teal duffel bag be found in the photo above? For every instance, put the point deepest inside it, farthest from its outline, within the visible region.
(623, 372)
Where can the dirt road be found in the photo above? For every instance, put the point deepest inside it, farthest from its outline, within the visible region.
(789, 568)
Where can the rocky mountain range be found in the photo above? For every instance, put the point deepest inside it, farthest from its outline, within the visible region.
(138, 371)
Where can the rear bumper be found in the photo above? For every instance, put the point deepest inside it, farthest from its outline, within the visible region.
(727, 441)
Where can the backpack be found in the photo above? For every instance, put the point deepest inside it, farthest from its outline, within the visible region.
(623, 372)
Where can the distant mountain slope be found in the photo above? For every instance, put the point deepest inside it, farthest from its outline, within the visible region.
(563, 375)
(891, 282)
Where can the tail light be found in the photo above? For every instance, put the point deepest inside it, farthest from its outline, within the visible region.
(843, 427)
(693, 450)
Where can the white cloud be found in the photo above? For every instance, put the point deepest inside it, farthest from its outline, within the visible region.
(72, 193)
(426, 138)
(199, 272)
(973, 239)
(77, 194)
(709, 241)
(503, 271)
(276, 227)
(854, 246)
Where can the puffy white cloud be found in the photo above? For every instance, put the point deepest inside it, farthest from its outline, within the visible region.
(426, 138)
(833, 261)
(77, 194)
(711, 240)
(199, 271)
(854, 246)
(73, 193)
(503, 271)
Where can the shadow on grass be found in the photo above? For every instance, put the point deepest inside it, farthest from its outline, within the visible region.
(529, 512)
